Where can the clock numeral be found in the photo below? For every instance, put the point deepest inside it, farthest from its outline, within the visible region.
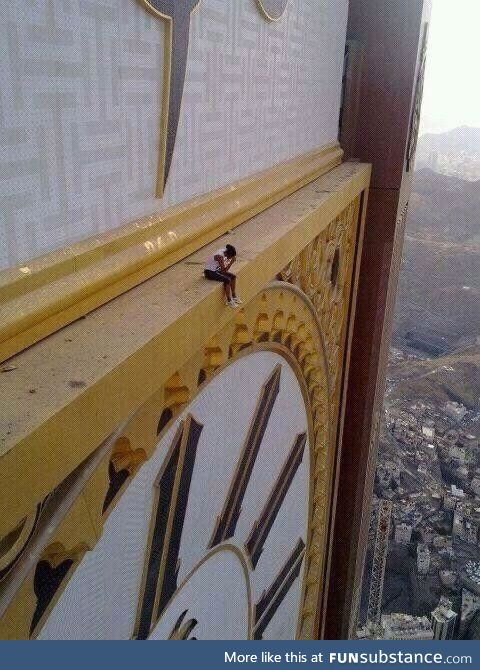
(227, 522)
(171, 497)
(261, 529)
(272, 598)
(178, 37)
(46, 582)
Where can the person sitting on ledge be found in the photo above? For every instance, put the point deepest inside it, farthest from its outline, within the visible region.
(217, 269)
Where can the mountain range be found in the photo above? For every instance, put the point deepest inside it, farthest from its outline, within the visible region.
(457, 141)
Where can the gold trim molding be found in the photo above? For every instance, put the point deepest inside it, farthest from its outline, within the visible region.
(52, 291)
(267, 9)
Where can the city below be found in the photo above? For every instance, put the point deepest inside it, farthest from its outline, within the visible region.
(422, 578)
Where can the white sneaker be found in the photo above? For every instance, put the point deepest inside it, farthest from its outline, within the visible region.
(231, 303)
(237, 300)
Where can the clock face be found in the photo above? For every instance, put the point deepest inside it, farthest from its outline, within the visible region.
(209, 539)
(273, 9)
(212, 605)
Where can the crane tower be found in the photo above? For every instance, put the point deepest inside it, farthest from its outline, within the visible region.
(379, 562)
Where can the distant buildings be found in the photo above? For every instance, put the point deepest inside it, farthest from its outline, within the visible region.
(472, 570)
(433, 160)
(457, 453)
(444, 620)
(455, 410)
(461, 165)
(469, 614)
(448, 578)
(475, 486)
(442, 542)
(388, 475)
(430, 452)
(468, 441)
(466, 521)
(428, 430)
(403, 533)
(434, 484)
(457, 493)
(406, 627)
(449, 502)
(423, 559)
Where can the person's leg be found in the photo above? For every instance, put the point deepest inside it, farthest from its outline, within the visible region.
(228, 290)
(225, 278)
(233, 282)
(227, 285)
(214, 275)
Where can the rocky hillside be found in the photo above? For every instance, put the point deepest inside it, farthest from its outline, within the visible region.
(439, 291)
(454, 142)
(455, 377)
(445, 209)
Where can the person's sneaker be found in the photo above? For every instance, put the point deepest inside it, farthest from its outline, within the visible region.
(238, 300)
(231, 303)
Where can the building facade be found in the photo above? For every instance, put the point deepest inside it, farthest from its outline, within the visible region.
(403, 533)
(423, 559)
(444, 620)
(469, 614)
(406, 627)
(173, 468)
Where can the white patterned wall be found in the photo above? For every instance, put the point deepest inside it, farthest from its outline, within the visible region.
(80, 100)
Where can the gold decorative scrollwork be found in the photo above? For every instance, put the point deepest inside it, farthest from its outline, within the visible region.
(16, 541)
(323, 271)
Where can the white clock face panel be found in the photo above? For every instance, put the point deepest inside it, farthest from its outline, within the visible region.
(212, 605)
(208, 541)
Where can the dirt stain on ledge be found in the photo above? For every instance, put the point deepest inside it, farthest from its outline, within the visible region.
(76, 384)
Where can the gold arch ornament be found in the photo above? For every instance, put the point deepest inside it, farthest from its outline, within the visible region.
(273, 10)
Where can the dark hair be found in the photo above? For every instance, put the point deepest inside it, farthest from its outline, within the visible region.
(230, 251)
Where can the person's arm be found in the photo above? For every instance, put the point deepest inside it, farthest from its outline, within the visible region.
(221, 261)
(229, 264)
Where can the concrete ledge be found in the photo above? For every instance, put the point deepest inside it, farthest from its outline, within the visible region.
(68, 393)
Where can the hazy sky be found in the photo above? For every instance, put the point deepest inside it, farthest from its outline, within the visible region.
(452, 82)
